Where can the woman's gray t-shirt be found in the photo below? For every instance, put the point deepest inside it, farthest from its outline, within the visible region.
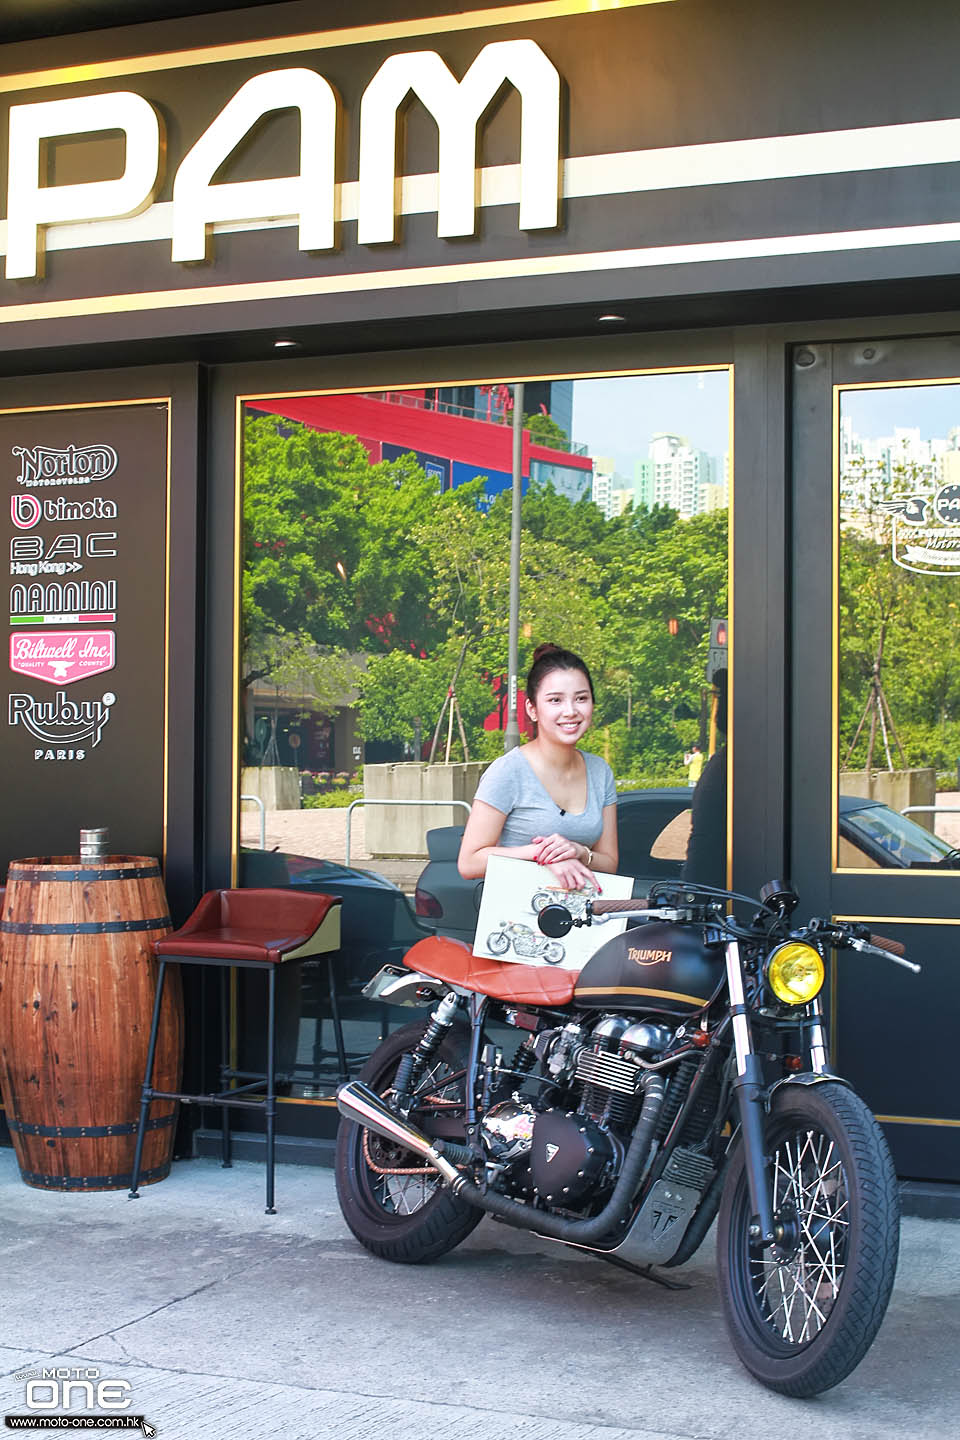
(511, 785)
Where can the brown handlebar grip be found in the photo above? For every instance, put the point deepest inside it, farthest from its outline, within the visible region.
(609, 907)
(893, 947)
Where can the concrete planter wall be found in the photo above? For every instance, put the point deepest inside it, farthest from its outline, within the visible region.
(401, 830)
(896, 788)
(277, 785)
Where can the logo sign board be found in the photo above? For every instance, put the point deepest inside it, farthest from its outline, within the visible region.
(82, 527)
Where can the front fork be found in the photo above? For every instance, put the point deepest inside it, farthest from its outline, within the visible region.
(750, 1091)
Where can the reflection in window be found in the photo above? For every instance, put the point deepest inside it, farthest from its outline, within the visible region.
(899, 619)
(375, 618)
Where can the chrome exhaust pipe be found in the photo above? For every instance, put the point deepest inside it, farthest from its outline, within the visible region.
(357, 1102)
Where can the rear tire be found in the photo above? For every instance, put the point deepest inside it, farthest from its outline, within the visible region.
(410, 1219)
(803, 1315)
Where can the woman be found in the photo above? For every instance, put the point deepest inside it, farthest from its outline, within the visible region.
(548, 801)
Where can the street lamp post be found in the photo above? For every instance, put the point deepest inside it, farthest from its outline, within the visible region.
(511, 734)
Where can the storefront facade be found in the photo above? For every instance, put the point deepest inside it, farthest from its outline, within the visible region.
(196, 223)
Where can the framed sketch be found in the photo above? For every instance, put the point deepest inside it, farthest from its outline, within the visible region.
(514, 893)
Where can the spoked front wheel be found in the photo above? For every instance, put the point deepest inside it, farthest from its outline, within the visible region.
(802, 1313)
(395, 1204)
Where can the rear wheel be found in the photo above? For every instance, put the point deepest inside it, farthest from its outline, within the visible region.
(395, 1205)
(803, 1313)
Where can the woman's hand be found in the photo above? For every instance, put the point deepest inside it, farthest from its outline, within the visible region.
(566, 859)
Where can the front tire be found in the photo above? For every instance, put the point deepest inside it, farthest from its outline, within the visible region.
(498, 942)
(410, 1218)
(803, 1314)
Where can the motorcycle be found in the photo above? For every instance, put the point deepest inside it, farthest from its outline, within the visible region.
(682, 1076)
(526, 944)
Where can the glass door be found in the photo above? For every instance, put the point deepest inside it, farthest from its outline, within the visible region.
(876, 715)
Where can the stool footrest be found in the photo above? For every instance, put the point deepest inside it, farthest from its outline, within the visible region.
(247, 1102)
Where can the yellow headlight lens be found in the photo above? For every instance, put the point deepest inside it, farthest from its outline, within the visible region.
(795, 973)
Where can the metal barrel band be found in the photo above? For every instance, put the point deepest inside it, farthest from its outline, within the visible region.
(93, 1132)
(93, 1182)
(63, 877)
(85, 927)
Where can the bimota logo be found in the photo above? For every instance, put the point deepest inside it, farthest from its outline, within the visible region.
(61, 721)
(26, 510)
(76, 465)
(649, 957)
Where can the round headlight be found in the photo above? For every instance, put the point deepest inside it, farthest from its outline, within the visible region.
(795, 973)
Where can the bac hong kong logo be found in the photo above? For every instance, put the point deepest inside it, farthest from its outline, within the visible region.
(649, 957)
(60, 657)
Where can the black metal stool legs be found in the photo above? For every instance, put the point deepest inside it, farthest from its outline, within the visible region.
(226, 977)
(271, 1102)
(146, 1095)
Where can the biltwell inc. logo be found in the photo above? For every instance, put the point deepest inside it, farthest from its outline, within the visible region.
(60, 657)
(61, 1397)
(74, 465)
(61, 721)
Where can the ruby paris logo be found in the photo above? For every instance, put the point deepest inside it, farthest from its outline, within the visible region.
(62, 656)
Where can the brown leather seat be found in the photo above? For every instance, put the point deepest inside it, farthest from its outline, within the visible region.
(255, 926)
(453, 961)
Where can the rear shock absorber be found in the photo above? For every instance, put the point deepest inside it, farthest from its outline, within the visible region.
(413, 1064)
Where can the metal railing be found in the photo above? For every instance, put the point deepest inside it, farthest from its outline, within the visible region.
(931, 810)
(464, 804)
(263, 817)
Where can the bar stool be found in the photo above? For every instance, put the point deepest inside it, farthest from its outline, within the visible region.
(240, 929)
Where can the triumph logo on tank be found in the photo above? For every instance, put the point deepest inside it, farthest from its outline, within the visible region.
(61, 722)
(62, 657)
(649, 957)
(75, 465)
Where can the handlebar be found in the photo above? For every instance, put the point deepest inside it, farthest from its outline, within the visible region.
(617, 907)
(880, 942)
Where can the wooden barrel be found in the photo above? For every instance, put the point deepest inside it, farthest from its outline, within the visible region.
(77, 986)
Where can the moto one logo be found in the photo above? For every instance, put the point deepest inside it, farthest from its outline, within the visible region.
(310, 194)
(75, 465)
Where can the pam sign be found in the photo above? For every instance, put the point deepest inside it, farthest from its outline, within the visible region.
(310, 194)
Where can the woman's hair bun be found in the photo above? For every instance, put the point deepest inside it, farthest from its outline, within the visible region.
(546, 649)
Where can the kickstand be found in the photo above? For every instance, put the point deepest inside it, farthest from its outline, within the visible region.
(646, 1272)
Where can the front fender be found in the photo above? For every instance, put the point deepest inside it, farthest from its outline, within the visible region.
(805, 1077)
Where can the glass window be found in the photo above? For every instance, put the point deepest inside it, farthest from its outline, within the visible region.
(898, 626)
(376, 576)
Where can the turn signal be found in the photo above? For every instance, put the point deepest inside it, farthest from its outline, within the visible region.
(795, 973)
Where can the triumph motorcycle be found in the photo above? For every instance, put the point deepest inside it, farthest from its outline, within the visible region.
(681, 1076)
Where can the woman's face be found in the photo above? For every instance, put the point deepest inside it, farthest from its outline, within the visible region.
(563, 707)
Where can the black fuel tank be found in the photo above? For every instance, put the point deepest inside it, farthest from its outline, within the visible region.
(660, 967)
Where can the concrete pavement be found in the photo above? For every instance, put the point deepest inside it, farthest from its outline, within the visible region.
(226, 1322)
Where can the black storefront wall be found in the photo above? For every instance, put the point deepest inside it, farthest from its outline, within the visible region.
(713, 255)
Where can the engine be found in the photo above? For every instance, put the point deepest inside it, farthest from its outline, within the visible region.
(571, 1153)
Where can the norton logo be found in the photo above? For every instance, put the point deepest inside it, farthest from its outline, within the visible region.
(76, 465)
(551, 1152)
(61, 721)
(649, 957)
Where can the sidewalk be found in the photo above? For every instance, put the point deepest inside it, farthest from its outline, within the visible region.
(228, 1322)
(322, 834)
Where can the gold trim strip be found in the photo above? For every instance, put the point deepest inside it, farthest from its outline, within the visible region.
(614, 990)
(731, 438)
(895, 919)
(916, 1120)
(402, 30)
